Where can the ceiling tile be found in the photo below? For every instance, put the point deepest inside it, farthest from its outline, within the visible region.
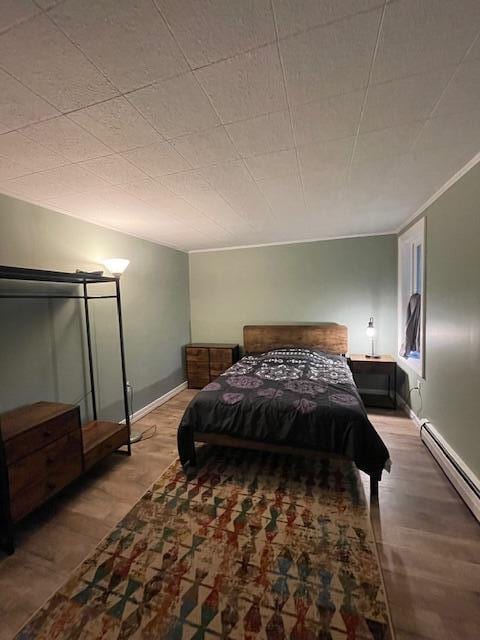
(127, 199)
(228, 176)
(402, 101)
(321, 156)
(186, 183)
(328, 119)
(206, 147)
(157, 159)
(176, 106)
(217, 209)
(330, 60)
(236, 185)
(19, 106)
(89, 206)
(67, 138)
(39, 55)
(326, 179)
(284, 194)
(56, 182)
(245, 86)
(47, 4)
(418, 36)
(264, 134)
(426, 170)
(450, 130)
(386, 142)
(474, 52)
(159, 197)
(17, 148)
(75, 178)
(273, 165)
(211, 30)
(10, 169)
(299, 15)
(463, 90)
(114, 169)
(128, 41)
(15, 11)
(117, 124)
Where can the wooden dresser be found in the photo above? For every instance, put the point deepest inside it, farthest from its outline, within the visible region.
(43, 448)
(43, 453)
(206, 361)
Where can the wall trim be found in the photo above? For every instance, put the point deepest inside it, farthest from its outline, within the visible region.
(305, 241)
(457, 471)
(449, 183)
(157, 403)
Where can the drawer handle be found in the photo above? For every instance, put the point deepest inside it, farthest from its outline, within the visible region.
(47, 433)
(50, 486)
(50, 461)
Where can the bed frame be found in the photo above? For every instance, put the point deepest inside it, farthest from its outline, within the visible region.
(327, 336)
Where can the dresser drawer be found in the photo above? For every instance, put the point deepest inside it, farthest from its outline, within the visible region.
(198, 380)
(222, 356)
(218, 368)
(197, 354)
(373, 367)
(60, 475)
(29, 441)
(37, 466)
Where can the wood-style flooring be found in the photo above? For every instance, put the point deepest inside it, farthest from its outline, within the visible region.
(428, 542)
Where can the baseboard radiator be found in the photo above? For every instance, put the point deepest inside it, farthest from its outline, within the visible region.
(462, 478)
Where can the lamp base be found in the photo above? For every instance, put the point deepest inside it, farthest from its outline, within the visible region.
(369, 355)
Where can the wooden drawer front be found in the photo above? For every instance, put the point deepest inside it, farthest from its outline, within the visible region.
(218, 368)
(105, 447)
(41, 436)
(198, 381)
(39, 465)
(380, 368)
(197, 354)
(60, 475)
(221, 356)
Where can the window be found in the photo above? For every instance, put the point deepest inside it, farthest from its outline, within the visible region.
(411, 269)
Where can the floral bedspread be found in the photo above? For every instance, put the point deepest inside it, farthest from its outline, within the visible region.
(294, 396)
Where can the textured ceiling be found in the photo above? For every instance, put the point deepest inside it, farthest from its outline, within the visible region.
(213, 123)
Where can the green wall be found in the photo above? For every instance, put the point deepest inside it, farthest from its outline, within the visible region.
(451, 389)
(42, 343)
(342, 281)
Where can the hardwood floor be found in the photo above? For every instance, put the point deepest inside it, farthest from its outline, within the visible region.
(428, 542)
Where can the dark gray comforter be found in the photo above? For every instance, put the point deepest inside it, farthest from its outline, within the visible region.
(293, 396)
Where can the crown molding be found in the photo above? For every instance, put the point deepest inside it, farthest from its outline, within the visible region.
(285, 242)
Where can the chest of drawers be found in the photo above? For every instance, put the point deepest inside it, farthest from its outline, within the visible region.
(41, 454)
(206, 361)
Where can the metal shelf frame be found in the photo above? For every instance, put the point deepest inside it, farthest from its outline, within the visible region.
(82, 280)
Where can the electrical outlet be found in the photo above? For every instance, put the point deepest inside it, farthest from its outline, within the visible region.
(420, 384)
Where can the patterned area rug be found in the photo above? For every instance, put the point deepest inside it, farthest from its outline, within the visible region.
(254, 545)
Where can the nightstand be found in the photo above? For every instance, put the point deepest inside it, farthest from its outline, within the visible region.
(385, 366)
(206, 361)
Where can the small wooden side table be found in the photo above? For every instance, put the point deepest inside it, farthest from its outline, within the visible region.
(206, 361)
(383, 366)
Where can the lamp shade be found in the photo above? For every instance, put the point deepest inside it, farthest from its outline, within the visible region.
(116, 266)
(370, 328)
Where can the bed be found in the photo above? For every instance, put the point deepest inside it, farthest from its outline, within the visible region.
(292, 391)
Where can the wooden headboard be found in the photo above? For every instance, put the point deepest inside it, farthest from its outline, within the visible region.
(328, 336)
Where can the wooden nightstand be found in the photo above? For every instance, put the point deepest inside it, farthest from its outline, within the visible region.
(360, 365)
(206, 361)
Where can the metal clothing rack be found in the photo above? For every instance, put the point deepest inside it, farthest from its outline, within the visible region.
(82, 280)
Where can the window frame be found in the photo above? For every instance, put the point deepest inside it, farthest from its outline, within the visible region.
(413, 237)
